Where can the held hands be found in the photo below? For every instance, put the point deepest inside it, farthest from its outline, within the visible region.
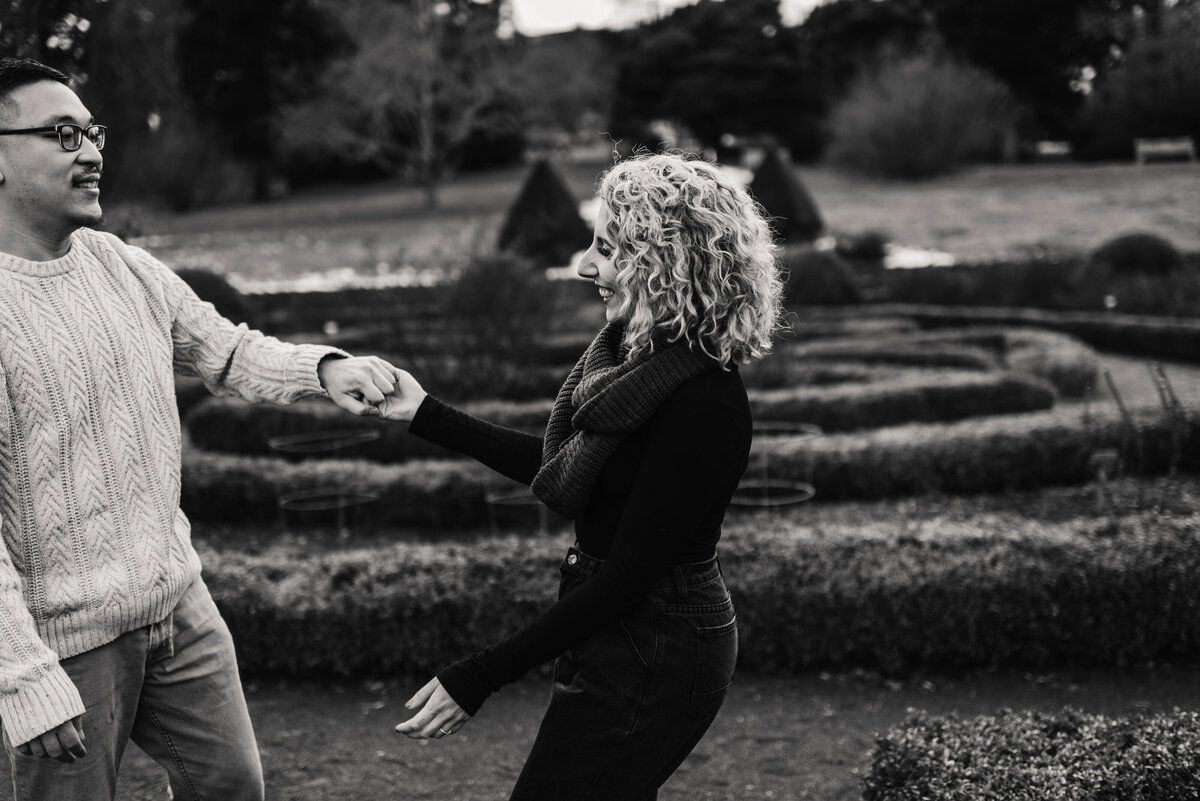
(439, 715)
(371, 387)
(358, 384)
(402, 403)
(64, 743)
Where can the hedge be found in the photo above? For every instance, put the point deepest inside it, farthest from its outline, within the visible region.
(926, 396)
(1167, 338)
(977, 455)
(893, 397)
(230, 425)
(427, 492)
(991, 454)
(1037, 756)
(1064, 361)
(986, 591)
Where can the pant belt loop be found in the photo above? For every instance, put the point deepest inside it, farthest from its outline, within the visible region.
(681, 589)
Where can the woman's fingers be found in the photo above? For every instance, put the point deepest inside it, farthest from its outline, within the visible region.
(438, 714)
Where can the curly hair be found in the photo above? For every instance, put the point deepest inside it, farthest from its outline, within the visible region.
(695, 258)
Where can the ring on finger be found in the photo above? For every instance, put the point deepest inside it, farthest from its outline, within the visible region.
(443, 731)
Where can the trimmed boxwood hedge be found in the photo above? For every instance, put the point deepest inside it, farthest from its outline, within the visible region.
(434, 492)
(995, 590)
(230, 425)
(1062, 360)
(1176, 338)
(925, 396)
(978, 455)
(1036, 756)
(990, 454)
(233, 426)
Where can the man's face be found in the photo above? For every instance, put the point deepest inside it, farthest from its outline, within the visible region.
(44, 189)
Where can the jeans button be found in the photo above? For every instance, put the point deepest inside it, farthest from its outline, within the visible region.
(572, 559)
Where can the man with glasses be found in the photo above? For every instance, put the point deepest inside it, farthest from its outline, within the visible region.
(107, 632)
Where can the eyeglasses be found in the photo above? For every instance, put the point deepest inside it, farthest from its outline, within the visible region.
(70, 136)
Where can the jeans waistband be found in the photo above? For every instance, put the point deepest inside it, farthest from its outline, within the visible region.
(677, 577)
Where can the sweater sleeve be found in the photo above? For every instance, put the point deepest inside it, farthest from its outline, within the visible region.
(36, 694)
(694, 454)
(512, 453)
(233, 359)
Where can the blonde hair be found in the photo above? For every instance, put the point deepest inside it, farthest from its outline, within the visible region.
(695, 258)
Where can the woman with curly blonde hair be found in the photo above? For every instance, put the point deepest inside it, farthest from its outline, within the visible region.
(644, 448)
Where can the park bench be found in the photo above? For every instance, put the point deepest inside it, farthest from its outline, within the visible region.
(1175, 147)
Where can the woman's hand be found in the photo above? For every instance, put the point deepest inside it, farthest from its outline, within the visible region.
(401, 403)
(438, 716)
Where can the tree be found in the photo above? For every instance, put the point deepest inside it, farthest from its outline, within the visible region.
(408, 95)
(1154, 87)
(52, 31)
(715, 67)
(841, 40)
(242, 62)
(1039, 48)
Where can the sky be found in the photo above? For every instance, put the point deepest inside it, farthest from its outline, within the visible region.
(534, 17)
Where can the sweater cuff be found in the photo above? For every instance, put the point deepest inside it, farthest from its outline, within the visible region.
(37, 707)
(304, 371)
(426, 417)
(464, 687)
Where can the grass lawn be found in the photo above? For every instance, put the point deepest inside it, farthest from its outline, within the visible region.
(983, 212)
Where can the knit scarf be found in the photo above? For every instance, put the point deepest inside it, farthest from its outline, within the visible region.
(605, 397)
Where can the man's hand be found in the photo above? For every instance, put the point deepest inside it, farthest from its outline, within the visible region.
(439, 715)
(357, 384)
(402, 403)
(64, 743)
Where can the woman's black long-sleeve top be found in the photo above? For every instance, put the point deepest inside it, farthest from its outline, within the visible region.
(658, 501)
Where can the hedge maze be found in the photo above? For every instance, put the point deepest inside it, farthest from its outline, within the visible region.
(919, 408)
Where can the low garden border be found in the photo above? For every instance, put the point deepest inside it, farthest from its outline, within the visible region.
(993, 454)
(1037, 756)
(979, 593)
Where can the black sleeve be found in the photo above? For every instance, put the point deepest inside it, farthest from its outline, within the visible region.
(694, 453)
(512, 453)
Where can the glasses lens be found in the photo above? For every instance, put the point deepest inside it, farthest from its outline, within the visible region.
(95, 135)
(70, 136)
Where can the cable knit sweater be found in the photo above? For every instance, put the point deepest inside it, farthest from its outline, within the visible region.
(95, 542)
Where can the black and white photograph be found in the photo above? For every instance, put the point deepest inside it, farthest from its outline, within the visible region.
(600, 400)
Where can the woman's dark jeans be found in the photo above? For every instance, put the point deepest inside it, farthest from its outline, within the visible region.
(631, 701)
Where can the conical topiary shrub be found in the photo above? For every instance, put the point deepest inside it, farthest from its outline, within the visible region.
(543, 223)
(793, 212)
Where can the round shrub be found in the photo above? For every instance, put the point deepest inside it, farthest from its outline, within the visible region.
(217, 290)
(1139, 273)
(1136, 254)
(818, 278)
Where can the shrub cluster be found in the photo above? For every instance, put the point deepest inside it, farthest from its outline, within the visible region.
(1036, 756)
(976, 592)
(919, 117)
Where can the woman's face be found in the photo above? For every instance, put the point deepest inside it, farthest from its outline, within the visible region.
(599, 265)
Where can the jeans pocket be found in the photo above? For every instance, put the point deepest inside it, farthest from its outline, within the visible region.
(716, 659)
